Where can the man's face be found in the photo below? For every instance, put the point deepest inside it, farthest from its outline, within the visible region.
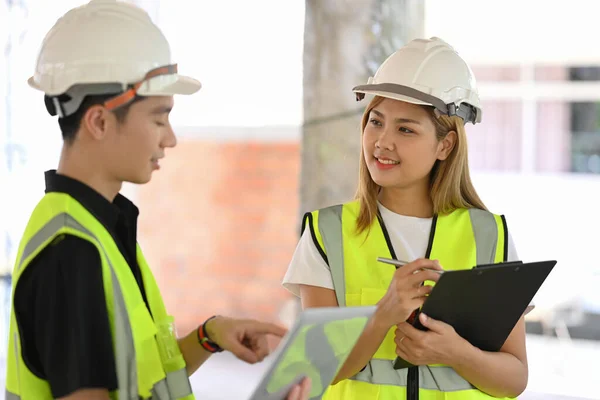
(139, 142)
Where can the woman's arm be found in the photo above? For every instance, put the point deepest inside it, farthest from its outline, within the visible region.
(501, 374)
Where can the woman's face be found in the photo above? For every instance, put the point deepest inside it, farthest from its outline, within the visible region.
(400, 144)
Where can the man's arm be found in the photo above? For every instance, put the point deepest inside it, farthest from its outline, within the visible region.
(245, 338)
(193, 353)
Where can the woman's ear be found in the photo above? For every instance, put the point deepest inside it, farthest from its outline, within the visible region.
(446, 145)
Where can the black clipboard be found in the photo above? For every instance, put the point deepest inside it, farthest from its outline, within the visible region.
(484, 304)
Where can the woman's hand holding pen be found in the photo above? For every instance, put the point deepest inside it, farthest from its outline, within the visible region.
(406, 292)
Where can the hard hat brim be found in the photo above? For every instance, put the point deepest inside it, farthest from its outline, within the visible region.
(394, 96)
(182, 84)
(32, 83)
(399, 92)
(178, 84)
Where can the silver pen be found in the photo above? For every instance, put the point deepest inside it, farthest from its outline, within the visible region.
(399, 263)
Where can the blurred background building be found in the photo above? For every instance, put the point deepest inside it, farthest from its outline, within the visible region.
(275, 132)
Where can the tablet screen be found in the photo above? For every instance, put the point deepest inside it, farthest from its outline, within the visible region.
(317, 350)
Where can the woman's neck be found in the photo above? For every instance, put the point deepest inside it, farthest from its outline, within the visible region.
(412, 202)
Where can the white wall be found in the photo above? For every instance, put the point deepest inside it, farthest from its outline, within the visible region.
(248, 56)
(517, 31)
(552, 217)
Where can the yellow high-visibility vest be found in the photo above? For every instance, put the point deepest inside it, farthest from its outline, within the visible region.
(460, 240)
(147, 356)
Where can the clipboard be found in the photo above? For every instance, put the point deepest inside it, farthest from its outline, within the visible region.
(484, 304)
(316, 346)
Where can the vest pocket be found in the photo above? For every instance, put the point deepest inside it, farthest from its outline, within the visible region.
(387, 350)
(168, 347)
(166, 339)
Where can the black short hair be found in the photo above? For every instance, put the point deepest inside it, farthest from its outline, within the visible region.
(69, 125)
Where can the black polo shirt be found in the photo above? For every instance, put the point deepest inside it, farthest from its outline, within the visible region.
(59, 300)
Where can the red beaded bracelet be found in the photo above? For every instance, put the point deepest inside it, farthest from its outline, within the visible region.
(205, 340)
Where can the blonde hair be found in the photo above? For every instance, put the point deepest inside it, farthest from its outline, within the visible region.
(450, 182)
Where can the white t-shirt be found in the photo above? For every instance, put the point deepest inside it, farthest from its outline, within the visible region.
(409, 237)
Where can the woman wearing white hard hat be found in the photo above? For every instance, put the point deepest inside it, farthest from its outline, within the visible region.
(415, 202)
(87, 317)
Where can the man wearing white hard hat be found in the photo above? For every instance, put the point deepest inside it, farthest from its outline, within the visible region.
(87, 317)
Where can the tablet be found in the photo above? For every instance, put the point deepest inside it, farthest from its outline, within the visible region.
(316, 346)
(484, 304)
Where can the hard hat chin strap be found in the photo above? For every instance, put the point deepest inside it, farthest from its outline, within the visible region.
(69, 102)
(128, 96)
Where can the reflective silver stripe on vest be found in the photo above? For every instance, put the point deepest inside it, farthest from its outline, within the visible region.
(174, 386)
(382, 372)
(179, 384)
(10, 396)
(330, 227)
(160, 391)
(485, 231)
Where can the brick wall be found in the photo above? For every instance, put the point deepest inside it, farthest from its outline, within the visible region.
(218, 226)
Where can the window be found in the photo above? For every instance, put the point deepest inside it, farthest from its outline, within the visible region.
(585, 126)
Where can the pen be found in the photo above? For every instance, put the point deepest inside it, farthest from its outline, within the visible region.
(399, 263)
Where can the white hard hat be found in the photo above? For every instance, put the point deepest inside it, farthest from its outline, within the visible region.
(427, 72)
(106, 46)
